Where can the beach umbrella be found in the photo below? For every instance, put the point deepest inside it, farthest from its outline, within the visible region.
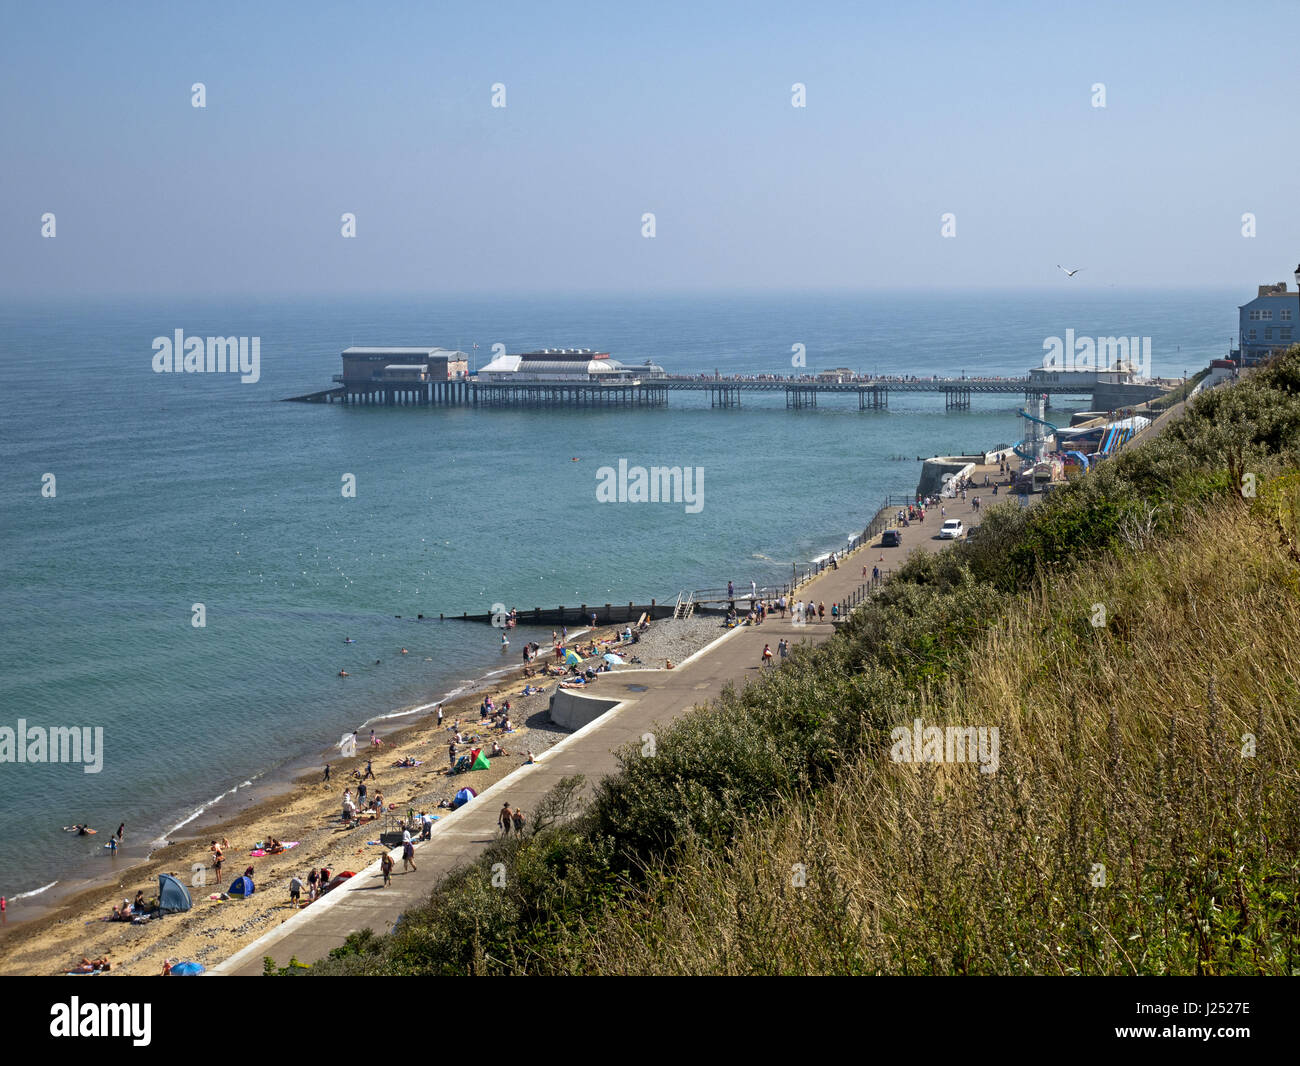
(610, 657)
(186, 969)
(572, 658)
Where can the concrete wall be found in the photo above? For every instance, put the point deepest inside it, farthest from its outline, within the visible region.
(572, 708)
(1111, 397)
(934, 469)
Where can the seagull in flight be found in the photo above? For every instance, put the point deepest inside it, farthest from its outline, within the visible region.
(1068, 273)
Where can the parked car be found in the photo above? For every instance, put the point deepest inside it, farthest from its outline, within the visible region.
(891, 538)
(952, 530)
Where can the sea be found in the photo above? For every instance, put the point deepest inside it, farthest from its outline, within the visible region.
(135, 505)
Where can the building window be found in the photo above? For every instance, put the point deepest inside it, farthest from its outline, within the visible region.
(1267, 316)
(1268, 333)
(1286, 333)
(1285, 314)
(1252, 334)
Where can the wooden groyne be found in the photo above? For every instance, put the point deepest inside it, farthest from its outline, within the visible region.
(606, 614)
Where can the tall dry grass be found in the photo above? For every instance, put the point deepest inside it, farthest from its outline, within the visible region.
(1144, 818)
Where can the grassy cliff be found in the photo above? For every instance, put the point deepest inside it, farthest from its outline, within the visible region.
(1135, 642)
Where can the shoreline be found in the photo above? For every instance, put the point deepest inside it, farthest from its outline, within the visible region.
(236, 799)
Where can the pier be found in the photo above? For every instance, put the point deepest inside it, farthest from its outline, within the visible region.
(411, 389)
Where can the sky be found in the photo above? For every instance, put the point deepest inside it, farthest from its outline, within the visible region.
(612, 111)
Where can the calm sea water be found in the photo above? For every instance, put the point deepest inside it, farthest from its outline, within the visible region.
(174, 490)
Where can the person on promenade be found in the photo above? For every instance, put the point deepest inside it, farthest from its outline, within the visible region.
(518, 818)
(783, 648)
(767, 655)
(408, 854)
(386, 868)
(506, 819)
(821, 612)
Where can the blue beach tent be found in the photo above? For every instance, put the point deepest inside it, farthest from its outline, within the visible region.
(242, 886)
(172, 895)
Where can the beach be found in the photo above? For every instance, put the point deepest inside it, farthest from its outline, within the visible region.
(308, 812)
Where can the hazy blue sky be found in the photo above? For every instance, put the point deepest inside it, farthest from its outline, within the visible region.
(613, 110)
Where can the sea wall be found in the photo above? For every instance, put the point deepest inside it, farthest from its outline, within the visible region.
(933, 471)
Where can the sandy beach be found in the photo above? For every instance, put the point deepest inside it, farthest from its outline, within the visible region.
(308, 812)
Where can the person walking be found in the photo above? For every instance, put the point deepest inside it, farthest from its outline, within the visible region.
(327, 772)
(518, 819)
(875, 574)
(440, 716)
(506, 819)
(821, 612)
(120, 830)
(767, 655)
(386, 868)
(408, 854)
(295, 890)
(369, 771)
(313, 884)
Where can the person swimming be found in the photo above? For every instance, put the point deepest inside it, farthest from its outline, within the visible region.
(343, 673)
(348, 640)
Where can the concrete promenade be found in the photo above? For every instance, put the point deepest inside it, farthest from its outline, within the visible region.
(459, 838)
